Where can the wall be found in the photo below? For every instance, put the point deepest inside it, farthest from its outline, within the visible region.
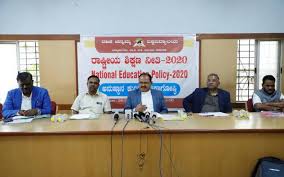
(136, 16)
(58, 70)
(282, 63)
(220, 57)
(58, 73)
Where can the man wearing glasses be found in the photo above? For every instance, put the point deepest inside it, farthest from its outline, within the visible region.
(208, 99)
(146, 99)
(27, 100)
(91, 102)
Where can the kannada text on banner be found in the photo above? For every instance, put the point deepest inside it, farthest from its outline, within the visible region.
(172, 60)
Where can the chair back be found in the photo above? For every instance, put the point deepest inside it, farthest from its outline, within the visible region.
(249, 105)
(53, 107)
(1, 111)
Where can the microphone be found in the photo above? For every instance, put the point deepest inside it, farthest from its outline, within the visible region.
(128, 114)
(137, 116)
(142, 116)
(154, 115)
(147, 117)
(116, 116)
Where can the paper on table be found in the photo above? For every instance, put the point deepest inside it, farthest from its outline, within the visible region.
(42, 116)
(272, 114)
(215, 114)
(21, 117)
(18, 121)
(170, 117)
(33, 117)
(84, 116)
(80, 116)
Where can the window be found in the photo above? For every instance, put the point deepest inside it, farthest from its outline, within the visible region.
(17, 56)
(8, 68)
(268, 61)
(255, 59)
(245, 69)
(29, 59)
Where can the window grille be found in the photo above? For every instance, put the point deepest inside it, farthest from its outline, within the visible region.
(29, 59)
(245, 69)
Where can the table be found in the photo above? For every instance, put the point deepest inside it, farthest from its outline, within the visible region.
(196, 147)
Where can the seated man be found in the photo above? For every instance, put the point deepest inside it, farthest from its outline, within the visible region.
(267, 98)
(91, 102)
(27, 100)
(210, 99)
(146, 99)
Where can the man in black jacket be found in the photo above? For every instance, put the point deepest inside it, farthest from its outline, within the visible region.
(209, 99)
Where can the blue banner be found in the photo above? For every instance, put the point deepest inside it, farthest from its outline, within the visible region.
(122, 89)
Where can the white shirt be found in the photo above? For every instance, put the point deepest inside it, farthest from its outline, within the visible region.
(256, 98)
(147, 100)
(26, 102)
(90, 104)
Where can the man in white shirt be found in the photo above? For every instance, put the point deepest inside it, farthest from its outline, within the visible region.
(91, 102)
(146, 99)
(267, 98)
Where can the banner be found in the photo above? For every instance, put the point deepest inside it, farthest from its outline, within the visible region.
(172, 60)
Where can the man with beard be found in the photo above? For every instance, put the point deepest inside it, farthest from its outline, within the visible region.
(27, 100)
(91, 102)
(267, 98)
(146, 99)
(209, 99)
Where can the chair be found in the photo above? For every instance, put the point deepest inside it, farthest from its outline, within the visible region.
(53, 107)
(249, 105)
(1, 111)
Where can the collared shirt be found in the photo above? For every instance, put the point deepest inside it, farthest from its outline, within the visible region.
(147, 100)
(26, 102)
(211, 104)
(91, 104)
